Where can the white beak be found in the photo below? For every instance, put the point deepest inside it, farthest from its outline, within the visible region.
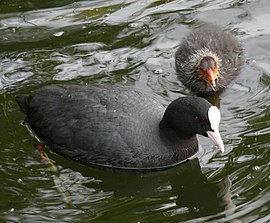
(216, 139)
(213, 83)
(214, 118)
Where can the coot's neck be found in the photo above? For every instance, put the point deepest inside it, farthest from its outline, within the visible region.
(178, 119)
(169, 133)
(183, 146)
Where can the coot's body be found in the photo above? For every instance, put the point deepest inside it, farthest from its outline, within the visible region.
(109, 126)
(208, 48)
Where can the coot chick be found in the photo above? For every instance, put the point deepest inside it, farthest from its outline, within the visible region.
(208, 59)
(119, 127)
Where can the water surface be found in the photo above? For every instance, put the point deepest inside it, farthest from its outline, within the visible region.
(133, 43)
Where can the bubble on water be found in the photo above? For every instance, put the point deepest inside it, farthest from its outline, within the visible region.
(196, 209)
(11, 209)
(58, 34)
(20, 181)
(133, 25)
(256, 168)
(158, 71)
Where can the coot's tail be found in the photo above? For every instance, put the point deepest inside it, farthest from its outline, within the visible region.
(22, 100)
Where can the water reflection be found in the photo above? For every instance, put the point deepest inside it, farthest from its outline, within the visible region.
(133, 42)
(214, 100)
(186, 185)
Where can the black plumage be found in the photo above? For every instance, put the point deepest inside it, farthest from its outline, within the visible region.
(115, 127)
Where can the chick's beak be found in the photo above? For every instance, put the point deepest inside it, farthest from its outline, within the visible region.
(211, 77)
(216, 139)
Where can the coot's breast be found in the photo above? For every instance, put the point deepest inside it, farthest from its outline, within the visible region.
(108, 126)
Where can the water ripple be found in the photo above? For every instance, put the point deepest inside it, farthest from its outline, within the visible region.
(133, 43)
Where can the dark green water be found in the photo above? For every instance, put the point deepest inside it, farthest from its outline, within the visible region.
(133, 42)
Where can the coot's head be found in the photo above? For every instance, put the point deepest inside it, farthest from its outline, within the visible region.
(207, 65)
(188, 116)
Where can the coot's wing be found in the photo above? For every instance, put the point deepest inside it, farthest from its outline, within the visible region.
(90, 124)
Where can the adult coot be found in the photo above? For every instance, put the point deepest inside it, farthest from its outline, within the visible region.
(119, 127)
(208, 59)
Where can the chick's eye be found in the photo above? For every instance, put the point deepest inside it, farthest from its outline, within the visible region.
(213, 64)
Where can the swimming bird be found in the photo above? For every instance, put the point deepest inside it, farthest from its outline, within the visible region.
(208, 59)
(117, 127)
